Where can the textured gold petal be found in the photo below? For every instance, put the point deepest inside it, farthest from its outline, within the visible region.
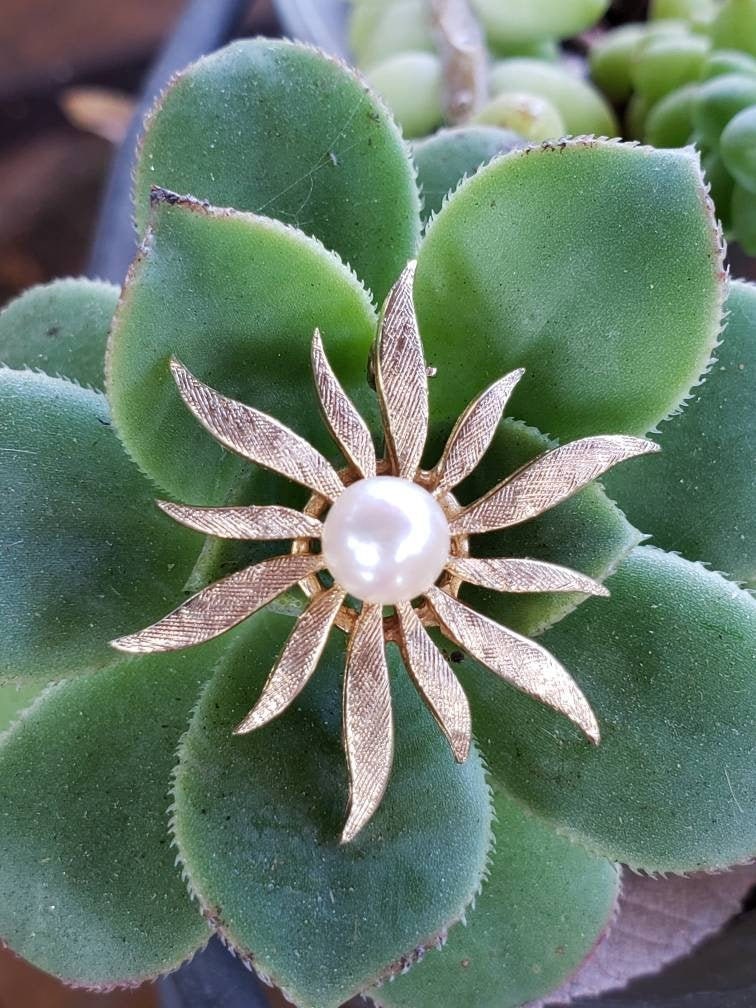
(401, 379)
(222, 605)
(344, 422)
(368, 722)
(438, 685)
(504, 574)
(518, 661)
(549, 479)
(297, 661)
(256, 436)
(473, 432)
(265, 522)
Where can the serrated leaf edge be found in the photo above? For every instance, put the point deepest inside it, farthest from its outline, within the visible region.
(245, 956)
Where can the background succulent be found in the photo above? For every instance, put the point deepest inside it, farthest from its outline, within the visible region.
(689, 77)
(609, 289)
(527, 87)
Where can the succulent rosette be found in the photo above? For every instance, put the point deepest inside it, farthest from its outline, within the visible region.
(131, 815)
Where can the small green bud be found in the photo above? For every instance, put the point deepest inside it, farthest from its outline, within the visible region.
(531, 116)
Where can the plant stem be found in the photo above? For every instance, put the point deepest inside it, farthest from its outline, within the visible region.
(463, 54)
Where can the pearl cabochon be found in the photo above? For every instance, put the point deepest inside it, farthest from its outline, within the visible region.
(385, 540)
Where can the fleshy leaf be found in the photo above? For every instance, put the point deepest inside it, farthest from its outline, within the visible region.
(226, 120)
(607, 289)
(13, 699)
(667, 665)
(721, 974)
(60, 328)
(85, 553)
(236, 298)
(543, 906)
(258, 819)
(697, 497)
(586, 533)
(582, 107)
(447, 156)
(89, 890)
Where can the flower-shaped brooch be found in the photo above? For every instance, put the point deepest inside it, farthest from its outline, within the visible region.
(381, 549)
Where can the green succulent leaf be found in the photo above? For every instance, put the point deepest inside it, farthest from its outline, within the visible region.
(719, 100)
(587, 533)
(445, 158)
(258, 818)
(607, 287)
(688, 10)
(581, 106)
(667, 63)
(236, 298)
(670, 121)
(667, 665)
(697, 495)
(60, 328)
(612, 58)
(738, 146)
(512, 23)
(735, 26)
(13, 699)
(543, 907)
(275, 128)
(636, 115)
(743, 212)
(89, 890)
(726, 61)
(85, 553)
(378, 31)
(412, 85)
(536, 119)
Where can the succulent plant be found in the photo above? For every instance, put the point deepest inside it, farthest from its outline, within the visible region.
(131, 816)
(504, 63)
(690, 76)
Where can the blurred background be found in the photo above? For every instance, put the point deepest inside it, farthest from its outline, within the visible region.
(69, 74)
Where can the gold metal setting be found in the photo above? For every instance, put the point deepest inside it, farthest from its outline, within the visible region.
(402, 388)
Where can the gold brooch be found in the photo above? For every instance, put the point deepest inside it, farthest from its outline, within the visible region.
(381, 549)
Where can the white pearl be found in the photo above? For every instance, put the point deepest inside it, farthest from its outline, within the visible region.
(385, 540)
